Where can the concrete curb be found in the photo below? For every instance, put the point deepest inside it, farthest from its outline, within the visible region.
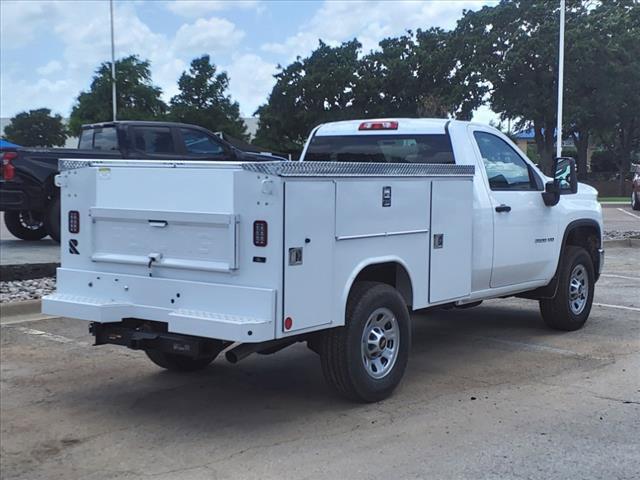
(14, 309)
(626, 242)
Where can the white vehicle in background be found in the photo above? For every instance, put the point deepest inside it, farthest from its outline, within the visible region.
(381, 217)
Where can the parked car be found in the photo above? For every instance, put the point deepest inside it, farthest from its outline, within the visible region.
(635, 189)
(382, 217)
(31, 201)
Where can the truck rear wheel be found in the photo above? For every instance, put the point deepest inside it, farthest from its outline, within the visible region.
(570, 307)
(25, 224)
(179, 363)
(366, 359)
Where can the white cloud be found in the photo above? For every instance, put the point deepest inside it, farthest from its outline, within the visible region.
(207, 36)
(21, 21)
(200, 8)
(20, 95)
(82, 28)
(51, 67)
(485, 115)
(369, 22)
(250, 81)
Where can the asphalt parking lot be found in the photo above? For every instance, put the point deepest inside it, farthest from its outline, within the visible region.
(620, 218)
(489, 393)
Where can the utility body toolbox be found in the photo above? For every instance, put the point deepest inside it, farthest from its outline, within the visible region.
(251, 252)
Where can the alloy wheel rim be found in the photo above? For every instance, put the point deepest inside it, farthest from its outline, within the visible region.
(380, 343)
(578, 289)
(30, 221)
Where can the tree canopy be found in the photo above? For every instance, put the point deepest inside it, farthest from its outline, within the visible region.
(137, 97)
(411, 75)
(203, 100)
(310, 91)
(36, 128)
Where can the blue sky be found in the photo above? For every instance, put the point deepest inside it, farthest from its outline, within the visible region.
(49, 49)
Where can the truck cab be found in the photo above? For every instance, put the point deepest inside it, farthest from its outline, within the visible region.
(517, 237)
(379, 218)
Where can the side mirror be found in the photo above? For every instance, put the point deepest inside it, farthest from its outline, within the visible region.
(565, 181)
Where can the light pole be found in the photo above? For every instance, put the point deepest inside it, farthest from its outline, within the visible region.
(560, 82)
(113, 65)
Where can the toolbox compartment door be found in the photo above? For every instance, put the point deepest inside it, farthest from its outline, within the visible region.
(168, 239)
(451, 237)
(309, 236)
(156, 219)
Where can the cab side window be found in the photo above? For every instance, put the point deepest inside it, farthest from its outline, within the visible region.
(200, 143)
(153, 140)
(506, 169)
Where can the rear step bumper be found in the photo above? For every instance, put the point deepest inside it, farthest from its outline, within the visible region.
(223, 312)
(120, 334)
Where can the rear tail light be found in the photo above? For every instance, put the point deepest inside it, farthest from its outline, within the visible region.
(288, 323)
(74, 221)
(260, 235)
(8, 171)
(378, 125)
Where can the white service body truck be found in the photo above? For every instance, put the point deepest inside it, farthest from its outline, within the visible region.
(380, 217)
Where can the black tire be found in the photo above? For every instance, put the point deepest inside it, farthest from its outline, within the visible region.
(179, 363)
(342, 351)
(52, 218)
(558, 312)
(635, 201)
(25, 225)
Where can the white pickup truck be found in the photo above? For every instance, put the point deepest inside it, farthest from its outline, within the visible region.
(381, 217)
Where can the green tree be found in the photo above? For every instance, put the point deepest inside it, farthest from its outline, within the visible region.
(616, 24)
(387, 82)
(512, 48)
(137, 97)
(203, 100)
(36, 128)
(310, 91)
(602, 98)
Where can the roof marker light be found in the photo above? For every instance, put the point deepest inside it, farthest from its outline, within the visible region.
(379, 125)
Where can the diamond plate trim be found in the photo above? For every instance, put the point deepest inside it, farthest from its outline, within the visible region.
(64, 165)
(356, 169)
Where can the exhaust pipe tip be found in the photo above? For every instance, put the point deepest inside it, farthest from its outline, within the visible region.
(231, 356)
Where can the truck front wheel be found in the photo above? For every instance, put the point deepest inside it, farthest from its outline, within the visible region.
(570, 307)
(366, 359)
(25, 224)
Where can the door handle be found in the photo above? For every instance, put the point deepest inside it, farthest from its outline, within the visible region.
(503, 208)
(158, 223)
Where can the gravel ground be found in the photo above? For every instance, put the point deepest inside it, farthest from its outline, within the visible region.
(19, 290)
(617, 235)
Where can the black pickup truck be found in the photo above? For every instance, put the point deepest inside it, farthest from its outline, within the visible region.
(30, 200)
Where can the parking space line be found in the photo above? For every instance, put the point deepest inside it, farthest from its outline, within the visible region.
(629, 213)
(28, 320)
(611, 275)
(607, 305)
(50, 336)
